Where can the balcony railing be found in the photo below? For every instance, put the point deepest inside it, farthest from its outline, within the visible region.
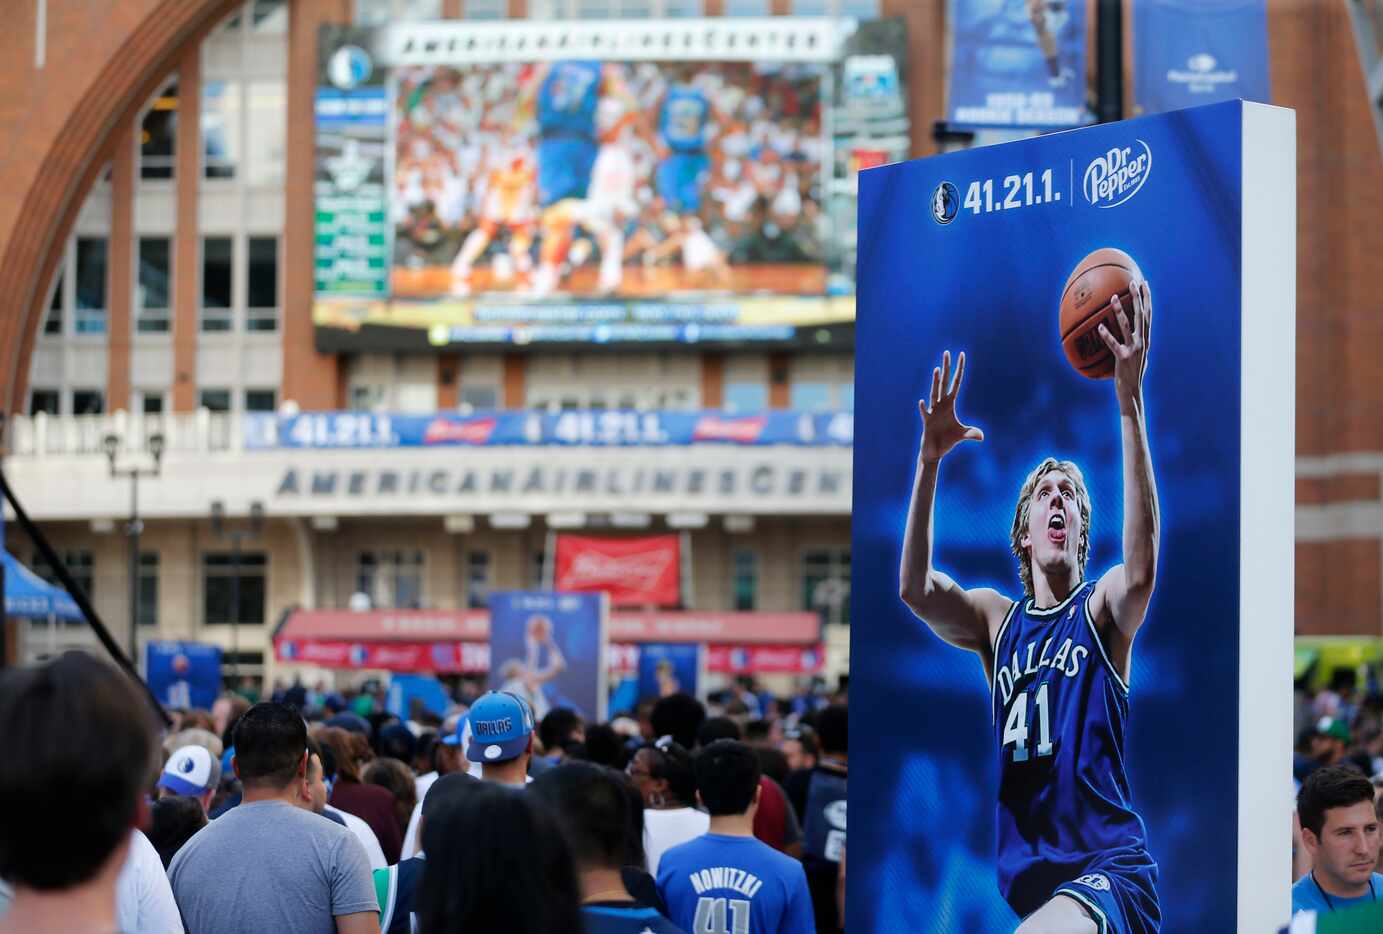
(205, 432)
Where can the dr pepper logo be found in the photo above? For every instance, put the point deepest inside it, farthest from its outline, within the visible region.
(1116, 176)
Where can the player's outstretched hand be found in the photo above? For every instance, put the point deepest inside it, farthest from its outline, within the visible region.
(1130, 348)
(941, 427)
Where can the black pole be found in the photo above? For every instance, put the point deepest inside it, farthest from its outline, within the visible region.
(45, 548)
(1109, 61)
(235, 610)
(134, 530)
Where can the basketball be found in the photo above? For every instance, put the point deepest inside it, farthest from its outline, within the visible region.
(1085, 303)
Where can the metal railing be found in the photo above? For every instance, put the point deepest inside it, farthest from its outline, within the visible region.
(200, 432)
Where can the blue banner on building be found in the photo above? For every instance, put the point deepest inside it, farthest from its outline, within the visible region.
(1017, 63)
(549, 648)
(1189, 52)
(183, 674)
(669, 668)
(611, 428)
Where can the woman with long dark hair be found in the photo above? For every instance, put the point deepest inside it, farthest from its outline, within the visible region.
(497, 861)
(662, 772)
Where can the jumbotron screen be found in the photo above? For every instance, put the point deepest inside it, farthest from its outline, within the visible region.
(552, 183)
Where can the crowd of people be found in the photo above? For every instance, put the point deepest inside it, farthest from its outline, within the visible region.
(1337, 827)
(314, 811)
(632, 164)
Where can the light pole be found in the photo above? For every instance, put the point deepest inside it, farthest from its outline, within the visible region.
(111, 443)
(236, 536)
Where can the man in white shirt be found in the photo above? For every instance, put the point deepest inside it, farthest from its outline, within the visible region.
(79, 753)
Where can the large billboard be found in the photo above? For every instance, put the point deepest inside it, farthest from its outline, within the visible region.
(1078, 479)
(550, 649)
(655, 182)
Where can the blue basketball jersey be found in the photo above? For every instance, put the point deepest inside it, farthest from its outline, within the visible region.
(682, 121)
(1060, 714)
(739, 884)
(567, 99)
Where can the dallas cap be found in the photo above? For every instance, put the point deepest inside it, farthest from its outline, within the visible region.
(501, 724)
(191, 770)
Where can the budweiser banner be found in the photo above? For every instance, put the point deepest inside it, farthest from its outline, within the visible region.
(641, 571)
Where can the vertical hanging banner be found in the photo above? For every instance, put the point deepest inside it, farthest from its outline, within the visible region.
(1075, 543)
(1189, 52)
(183, 674)
(550, 649)
(642, 571)
(670, 668)
(352, 112)
(1017, 63)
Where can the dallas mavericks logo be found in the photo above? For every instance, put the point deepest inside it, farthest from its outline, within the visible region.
(349, 67)
(1094, 881)
(187, 765)
(359, 655)
(945, 203)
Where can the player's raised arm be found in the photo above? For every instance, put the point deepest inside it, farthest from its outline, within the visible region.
(1127, 588)
(962, 617)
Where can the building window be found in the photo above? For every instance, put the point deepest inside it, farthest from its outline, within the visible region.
(683, 8)
(151, 403)
(846, 392)
(391, 578)
(810, 397)
(813, 7)
(79, 564)
(91, 285)
(266, 110)
(88, 402)
(220, 128)
(155, 273)
(52, 322)
(217, 261)
(262, 293)
(158, 136)
(48, 401)
(485, 9)
(480, 398)
(860, 9)
(270, 16)
(219, 583)
(826, 583)
(379, 12)
(478, 579)
(748, 8)
(744, 584)
(216, 400)
(746, 397)
(261, 400)
(366, 397)
(148, 588)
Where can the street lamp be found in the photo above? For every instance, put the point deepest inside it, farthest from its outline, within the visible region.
(236, 536)
(111, 444)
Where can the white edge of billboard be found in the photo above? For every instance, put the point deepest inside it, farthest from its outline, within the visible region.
(1267, 512)
(747, 39)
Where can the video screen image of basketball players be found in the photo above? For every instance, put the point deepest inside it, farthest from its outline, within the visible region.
(1072, 851)
(565, 96)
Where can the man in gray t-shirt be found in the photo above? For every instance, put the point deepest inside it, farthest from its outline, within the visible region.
(271, 864)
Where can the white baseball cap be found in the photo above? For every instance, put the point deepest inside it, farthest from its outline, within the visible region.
(191, 770)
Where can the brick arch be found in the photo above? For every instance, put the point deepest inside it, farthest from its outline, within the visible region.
(58, 125)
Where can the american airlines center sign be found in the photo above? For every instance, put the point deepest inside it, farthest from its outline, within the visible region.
(781, 480)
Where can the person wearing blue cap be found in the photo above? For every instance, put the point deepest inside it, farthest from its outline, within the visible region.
(191, 771)
(501, 727)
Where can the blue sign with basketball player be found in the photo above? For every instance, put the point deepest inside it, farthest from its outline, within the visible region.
(1071, 354)
(1017, 63)
(549, 648)
(669, 668)
(1191, 52)
(183, 674)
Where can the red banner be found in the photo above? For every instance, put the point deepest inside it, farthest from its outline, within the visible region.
(641, 571)
(474, 657)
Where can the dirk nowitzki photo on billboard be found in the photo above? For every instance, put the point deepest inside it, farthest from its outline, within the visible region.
(1052, 444)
